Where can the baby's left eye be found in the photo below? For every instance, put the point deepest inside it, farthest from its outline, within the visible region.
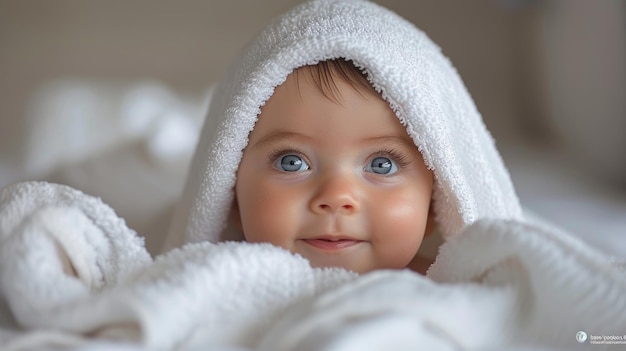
(382, 165)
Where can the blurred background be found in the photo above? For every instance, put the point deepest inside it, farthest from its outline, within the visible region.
(108, 96)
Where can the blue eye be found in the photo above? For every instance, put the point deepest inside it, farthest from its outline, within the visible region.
(291, 163)
(382, 165)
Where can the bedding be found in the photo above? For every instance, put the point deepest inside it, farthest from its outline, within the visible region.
(72, 275)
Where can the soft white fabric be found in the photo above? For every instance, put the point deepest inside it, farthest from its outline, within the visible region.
(57, 246)
(502, 285)
(401, 62)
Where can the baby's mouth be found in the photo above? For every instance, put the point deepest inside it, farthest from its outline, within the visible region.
(332, 243)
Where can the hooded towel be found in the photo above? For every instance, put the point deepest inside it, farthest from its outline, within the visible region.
(402, 64)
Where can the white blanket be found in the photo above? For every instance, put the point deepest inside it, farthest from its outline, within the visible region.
(72, 275)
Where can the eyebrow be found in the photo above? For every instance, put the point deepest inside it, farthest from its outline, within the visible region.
(278, 136)
(281, 135)
(392, 138)
(403, 141)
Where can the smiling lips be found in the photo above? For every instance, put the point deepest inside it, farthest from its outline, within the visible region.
(330, 243)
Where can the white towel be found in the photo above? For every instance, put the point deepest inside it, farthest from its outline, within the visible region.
(564, 286)
(48, 230)
(502, 285)
(72, 274)
(401, 62)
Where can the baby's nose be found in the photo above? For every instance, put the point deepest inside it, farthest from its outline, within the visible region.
(335, 194)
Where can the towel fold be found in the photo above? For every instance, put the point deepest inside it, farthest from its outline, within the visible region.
(58, 245)
(566, 285)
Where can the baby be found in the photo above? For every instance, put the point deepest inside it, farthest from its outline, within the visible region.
(342, 134)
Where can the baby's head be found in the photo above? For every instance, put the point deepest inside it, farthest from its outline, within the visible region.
(346, 168)
(330, 173)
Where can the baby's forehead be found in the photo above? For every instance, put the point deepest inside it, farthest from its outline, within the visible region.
(300, 107)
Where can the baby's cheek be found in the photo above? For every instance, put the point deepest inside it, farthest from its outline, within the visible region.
(399, 227)
(403, 209)
(270, 217)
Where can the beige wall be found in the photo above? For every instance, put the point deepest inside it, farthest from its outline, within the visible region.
(586, 51)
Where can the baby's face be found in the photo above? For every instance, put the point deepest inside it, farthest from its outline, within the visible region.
(341, 184)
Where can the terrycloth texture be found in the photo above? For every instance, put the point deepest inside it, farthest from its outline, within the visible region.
(401, 62)
(97, 242)
(48, 230)
(523, 287)
(564, 285)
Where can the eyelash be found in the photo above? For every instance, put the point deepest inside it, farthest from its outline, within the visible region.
(274, 155)
(399, 157)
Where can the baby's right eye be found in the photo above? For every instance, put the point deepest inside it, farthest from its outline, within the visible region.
(291, 163)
